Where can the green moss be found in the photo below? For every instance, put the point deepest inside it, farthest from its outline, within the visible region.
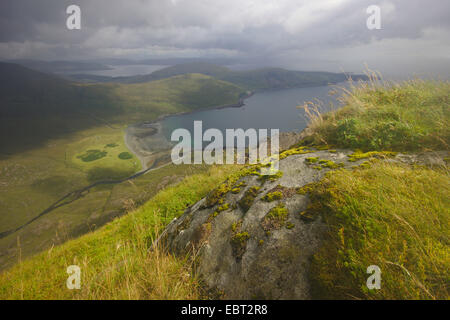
(272, 196)
(240, 184)
(279, 213)
(317, 168)
(235, 190)
(249, 196)
(290, 225)
(271, 177)
(220, 209)
(293, 151)
(311, 160)
(331, 164)
(238, 240)
(275, 218)
(261, 242)
(235, 226)
(214, 197)
(241, 237)
(305, 189)
(226, 206)
(358, 155)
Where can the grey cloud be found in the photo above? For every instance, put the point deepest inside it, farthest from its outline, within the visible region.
(287, 32)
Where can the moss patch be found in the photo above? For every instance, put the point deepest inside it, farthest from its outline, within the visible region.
(358, 155)
(275, 218)
(249, 197)
(293, 151)
(238, 240)
(235, 190)
(272, 196)
(305, 189)
(311, 160)
(330, 164)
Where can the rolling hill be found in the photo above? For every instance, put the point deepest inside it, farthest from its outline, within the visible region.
(254, 80)
(36, 106)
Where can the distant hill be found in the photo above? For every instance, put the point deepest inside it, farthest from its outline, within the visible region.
(61, 66)
(35, 106)
(255, 80)
(25, 92)
(277, 78)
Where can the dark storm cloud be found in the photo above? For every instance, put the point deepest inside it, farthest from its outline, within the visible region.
(327, 33)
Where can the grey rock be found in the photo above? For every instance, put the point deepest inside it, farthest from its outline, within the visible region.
(267, 265)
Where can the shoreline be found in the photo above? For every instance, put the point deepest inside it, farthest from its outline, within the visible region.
(156, 124)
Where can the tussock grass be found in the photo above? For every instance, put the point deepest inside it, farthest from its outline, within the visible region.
(390, 215)
(396, 217)
(379, 115)
(118, 261)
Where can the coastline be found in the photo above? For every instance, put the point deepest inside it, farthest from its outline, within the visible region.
(145, 156)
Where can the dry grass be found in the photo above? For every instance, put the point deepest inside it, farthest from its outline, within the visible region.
(395, 217)
(381, 115)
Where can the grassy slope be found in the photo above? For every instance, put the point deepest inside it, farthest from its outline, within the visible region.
(180, 93)
(410, 116)
(396, 217)
(115, 260)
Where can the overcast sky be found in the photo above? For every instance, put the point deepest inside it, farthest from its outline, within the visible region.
(299, 34)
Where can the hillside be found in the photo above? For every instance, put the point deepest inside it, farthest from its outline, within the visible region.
(393, 214)
(27, 93)
(179, 93)
(35, 106)
(60, 66)
(254, 80)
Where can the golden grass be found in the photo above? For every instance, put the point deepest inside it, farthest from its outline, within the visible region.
(393, 216)
(381, 115)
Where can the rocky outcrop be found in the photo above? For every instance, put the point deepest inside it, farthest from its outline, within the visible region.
(256, 238)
